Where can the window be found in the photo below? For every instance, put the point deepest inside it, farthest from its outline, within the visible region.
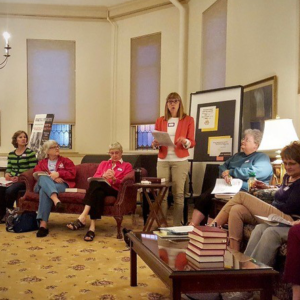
(214, 45)
(51, 85)
(144, 88)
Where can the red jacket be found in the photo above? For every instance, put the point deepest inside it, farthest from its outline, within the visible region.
(121, 169)
(185, 128)
(64, 166)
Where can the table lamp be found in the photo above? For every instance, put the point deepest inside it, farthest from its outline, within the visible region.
(278, 133)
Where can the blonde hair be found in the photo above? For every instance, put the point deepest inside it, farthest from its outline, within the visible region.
(180, 113)
(115, 145)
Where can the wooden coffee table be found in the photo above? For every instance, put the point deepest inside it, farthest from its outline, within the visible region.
(145, 245)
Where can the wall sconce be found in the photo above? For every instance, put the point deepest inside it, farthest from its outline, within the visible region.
(6, 36)
(278, 133)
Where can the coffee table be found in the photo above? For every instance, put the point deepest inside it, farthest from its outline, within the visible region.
(182, 279)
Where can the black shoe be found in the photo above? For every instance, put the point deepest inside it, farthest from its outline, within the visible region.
(42, 232)
(59, 207)
(126, 239)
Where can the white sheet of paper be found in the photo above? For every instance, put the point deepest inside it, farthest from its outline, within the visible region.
(220, 145)
(222, 187)
(163, 138)
(207, 117)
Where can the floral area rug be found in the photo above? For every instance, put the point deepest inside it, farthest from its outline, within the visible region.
(64, 266)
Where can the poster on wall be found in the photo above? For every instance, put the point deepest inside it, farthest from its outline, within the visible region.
(40, 131)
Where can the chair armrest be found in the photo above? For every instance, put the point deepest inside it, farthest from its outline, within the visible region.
(27, 177)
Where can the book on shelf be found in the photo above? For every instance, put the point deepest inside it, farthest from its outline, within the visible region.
(209, 231)
(205, 252)
(221, 187)
(207, 240)
(220, 246)
(154, 179)
(206, 258)
(99, 179)
(4, 182)
(274, 220)
(37, 174)
(204, 265)
(75, 190)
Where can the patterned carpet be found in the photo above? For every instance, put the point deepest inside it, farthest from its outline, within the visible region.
(63, 266)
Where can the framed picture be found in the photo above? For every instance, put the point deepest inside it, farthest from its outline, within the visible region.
(217, 115)
(260, 103)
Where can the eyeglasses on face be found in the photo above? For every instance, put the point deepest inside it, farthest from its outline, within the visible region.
(54, 147)
(175, 101)
(114, 152)
(290, 164)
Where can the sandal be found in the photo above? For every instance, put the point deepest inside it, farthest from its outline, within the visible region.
(89, 236)
(76, 225)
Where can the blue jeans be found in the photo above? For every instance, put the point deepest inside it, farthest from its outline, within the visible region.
(46, 187)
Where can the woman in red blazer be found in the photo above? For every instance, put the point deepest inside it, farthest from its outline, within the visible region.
(173, 161)
(62, 172)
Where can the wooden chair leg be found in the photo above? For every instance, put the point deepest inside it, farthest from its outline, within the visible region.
(119, 223)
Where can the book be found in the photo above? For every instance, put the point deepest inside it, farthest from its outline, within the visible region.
(209, 231)
(179, 230)
(165, 235)
(204, 265)
(224, 196)
(274, 220)
(100, 179)
(37, 174)
(154, 179)
(221, 187)
(4, 182)
(207, 240)
(205, 252)
(208, 258)
(75, 190)
(204, 246)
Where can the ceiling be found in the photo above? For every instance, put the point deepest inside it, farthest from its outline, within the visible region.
(106, 3)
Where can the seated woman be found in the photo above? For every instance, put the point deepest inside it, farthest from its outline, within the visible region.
(62, 173)
(238, 166)
(292, 264)
(19, 161)
(243, 207)
(113, 171)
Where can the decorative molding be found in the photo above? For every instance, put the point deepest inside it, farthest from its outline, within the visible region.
(82, 12)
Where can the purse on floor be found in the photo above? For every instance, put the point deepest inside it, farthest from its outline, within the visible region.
(24, 221)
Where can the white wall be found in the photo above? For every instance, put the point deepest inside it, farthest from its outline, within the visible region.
(93, 73)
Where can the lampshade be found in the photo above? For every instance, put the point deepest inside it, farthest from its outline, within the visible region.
(278, 133)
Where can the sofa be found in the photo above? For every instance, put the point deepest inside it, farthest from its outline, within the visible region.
(124, 204)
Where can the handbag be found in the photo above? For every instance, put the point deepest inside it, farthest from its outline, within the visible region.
(24, 221)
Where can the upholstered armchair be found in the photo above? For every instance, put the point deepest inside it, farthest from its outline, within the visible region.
(124, 204)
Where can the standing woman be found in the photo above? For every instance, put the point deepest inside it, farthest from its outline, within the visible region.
(19, 161)
(62, 174)
(173, 161)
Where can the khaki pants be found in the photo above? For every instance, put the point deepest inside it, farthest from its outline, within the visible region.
(175, 171)
(242, 208)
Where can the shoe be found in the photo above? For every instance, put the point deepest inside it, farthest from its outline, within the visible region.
(237, 296)
(59, 207)
(89, 236)
(75, 225)
(126, 239)
(42, 232)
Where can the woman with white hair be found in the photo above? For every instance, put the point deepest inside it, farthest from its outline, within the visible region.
(62, 173)
(112, 171)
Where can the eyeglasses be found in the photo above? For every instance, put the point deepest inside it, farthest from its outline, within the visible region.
(54, 147)
(290, 164)
(247, 140)
(173, 101)
(114, 152)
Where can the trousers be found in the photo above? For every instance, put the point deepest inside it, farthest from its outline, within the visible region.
(46, 187)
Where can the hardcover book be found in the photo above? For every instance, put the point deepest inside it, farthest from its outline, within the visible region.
(209, 231)
(100, 179)
(208, 258)
(204, 246)
(75, 190)
(205, 252)
(204, 265)
(154, 179)
(37, 174)
(207, 240)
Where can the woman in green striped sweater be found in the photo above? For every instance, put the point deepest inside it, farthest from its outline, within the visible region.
(19, 161)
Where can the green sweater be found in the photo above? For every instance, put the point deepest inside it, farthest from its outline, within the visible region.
(18, 164)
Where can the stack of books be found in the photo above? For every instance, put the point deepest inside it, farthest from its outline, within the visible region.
(206, 248)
